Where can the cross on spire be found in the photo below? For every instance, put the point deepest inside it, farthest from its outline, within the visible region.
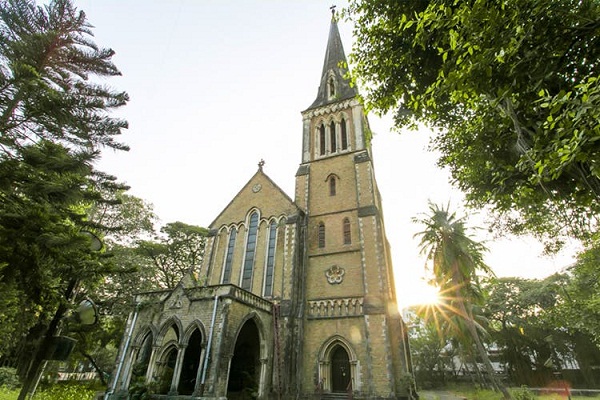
(261, 163)
(332, 8)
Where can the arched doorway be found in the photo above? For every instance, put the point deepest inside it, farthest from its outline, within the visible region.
(244, 372)
(191, 362)
(340, 370)
(338, 366)
(167, 369)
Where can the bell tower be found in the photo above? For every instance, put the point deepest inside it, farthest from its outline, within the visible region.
(353, 335)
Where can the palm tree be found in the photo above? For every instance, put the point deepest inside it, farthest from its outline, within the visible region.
(456, 260)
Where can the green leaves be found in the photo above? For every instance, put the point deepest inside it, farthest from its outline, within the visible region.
(47, 60)
(513, 87)
(53, 123)
(456, 259)
(534, 319)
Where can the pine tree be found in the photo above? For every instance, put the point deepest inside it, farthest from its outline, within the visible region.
(54, 121)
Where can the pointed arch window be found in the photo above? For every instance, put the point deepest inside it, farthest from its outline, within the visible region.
(322, 141)
(333, 137)
(142, 359)
(250, 251)
(332, 185)
(344, 134)
(270, 267)
(229, 257)
(321, 235)
(347, 231)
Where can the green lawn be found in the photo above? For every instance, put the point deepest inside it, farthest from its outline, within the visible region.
(55, 392)
(517, 393)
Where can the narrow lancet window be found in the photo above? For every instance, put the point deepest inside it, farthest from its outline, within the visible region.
(332, 186)
(270, 267)
(229, 257)
(333, 137)
(344, 133)
(347, 232)
(321, 235)
(322, 141)
(250, 250)
(331, 87)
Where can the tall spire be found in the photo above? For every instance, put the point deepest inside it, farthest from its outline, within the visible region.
(334, 86)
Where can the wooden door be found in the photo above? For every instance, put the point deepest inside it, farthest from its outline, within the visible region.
(340, 370)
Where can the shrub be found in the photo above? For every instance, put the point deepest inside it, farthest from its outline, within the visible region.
(8, 378)
(8, 394)
(523, 393)
(68, 391)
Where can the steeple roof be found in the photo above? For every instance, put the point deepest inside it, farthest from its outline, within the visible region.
(334, 71)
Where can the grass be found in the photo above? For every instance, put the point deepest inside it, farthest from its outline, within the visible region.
(8, 394)
(517, 393)
(61, 391)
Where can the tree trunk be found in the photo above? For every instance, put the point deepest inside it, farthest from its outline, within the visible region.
(96, 367)
(482, 351)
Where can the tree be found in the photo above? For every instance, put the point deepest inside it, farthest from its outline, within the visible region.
(535, 320)
(123, 222)
(580, 310)
(54, 121)
(42, 247)
(428, 352)
(456, 260)
(158, 262)
(520, 312)
(176, 252)
(513, 90)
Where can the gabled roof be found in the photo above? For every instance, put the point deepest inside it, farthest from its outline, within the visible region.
(335, 65)
(259, 192)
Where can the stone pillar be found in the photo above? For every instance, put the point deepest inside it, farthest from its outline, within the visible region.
(354, 376)
(262, 376)
(128, 368)
(177, 370)
(325, 375)
(198, 389)
(152, 364)
(221, 379)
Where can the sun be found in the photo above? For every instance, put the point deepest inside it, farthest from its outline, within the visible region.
(417, 293)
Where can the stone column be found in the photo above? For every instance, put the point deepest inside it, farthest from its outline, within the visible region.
(177, 370)
(128, 368)
(262, 378)
(325, 375)
(354, 376)
(221, 378)
(198, 390)
(152, 364)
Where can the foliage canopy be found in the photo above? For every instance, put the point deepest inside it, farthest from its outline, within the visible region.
(54, 121)
(513, 89)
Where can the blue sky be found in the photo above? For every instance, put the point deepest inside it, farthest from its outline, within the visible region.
(216, 86)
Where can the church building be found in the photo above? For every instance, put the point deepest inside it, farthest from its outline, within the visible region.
(295, 298)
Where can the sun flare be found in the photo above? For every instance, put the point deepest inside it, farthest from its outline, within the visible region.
(418, 293)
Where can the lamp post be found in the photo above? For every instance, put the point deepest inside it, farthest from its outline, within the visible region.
(36, 368)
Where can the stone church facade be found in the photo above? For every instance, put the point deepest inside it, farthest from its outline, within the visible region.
(295, 298)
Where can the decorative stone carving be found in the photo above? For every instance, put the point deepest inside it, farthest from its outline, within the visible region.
(335, 275)
(177, 302)
(335, 308)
